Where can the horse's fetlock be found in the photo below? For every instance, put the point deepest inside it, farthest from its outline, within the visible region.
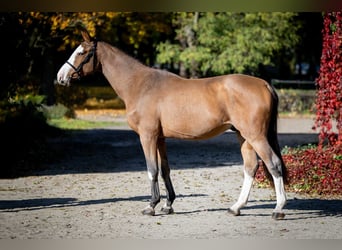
(234, 212)
(148, 211)
(167, 209)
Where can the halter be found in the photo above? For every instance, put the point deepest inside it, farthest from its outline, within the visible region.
(92, 53)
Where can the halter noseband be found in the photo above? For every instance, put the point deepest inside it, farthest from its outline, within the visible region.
(92, 53)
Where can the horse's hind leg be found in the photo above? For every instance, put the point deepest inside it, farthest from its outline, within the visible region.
(274, 166)
(165, 173)
(250, 167)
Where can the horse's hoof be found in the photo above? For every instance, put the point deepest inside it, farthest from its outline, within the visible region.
(278, 216)
(167, 210)
(148, 211)
(235, 213)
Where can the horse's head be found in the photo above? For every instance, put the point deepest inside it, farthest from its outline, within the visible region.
(82, 62)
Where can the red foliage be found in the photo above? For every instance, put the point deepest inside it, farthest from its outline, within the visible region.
(313, 170)
(329, 82)
(319, 169)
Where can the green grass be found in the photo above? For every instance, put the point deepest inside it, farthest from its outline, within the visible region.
(65, 123)
(304, 114)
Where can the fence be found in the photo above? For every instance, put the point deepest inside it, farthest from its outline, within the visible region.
(293, 84)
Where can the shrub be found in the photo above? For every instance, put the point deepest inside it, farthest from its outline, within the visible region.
(318, 170)
(311, 169)
(296, 101)
(71, 96)
(23, 133)
(56, 111)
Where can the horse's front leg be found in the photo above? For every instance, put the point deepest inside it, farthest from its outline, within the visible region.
(149, 145)
(165, 173)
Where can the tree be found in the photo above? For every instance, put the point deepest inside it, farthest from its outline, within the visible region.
(329, 82)
(184, 53)
(219, 43)
(12, 52)
(41, 42)
(138, 33)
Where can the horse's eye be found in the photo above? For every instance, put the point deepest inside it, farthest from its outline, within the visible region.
(81, 53)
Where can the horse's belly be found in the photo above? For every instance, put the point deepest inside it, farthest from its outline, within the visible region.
(193, 114)
(194, 130)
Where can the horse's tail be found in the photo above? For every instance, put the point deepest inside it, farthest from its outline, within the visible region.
(272, 135)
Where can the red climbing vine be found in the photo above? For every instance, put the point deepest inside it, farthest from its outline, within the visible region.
(329, 82)
(318, 169)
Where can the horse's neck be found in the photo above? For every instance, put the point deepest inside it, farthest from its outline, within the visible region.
(123, 72)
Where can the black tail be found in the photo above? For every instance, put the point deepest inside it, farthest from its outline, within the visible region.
(272, 135)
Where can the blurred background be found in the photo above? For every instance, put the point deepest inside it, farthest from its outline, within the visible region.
(282, 47)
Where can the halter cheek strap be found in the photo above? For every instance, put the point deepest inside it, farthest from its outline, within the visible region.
(77, 71)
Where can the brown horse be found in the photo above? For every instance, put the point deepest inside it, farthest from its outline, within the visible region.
(160, 104)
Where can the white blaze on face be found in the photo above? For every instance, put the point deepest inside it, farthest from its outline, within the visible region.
(64, 72)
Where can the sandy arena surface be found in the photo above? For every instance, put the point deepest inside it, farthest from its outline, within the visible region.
(100, 188)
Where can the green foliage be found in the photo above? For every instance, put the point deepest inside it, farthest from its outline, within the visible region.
(21, 100)
(102, 97)
(90, 97)
(219, 43)
(56, 111)
(168, 53)
(23, 133)
(19, 110)
(296, 101)
(95, 103)
(138, 33)
(71, 96)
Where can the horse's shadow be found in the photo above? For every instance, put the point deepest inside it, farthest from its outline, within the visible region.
(46, 203)
(302, 208)
(297, 209)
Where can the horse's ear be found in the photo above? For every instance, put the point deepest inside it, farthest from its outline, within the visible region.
(85, 34)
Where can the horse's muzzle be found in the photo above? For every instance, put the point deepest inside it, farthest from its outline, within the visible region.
(64, 82)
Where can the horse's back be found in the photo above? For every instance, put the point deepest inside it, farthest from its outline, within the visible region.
(206, 107)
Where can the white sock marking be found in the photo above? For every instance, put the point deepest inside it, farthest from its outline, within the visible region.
(246, 188)
(280, 193)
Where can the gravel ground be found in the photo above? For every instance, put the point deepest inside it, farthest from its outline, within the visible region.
(98, 190)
